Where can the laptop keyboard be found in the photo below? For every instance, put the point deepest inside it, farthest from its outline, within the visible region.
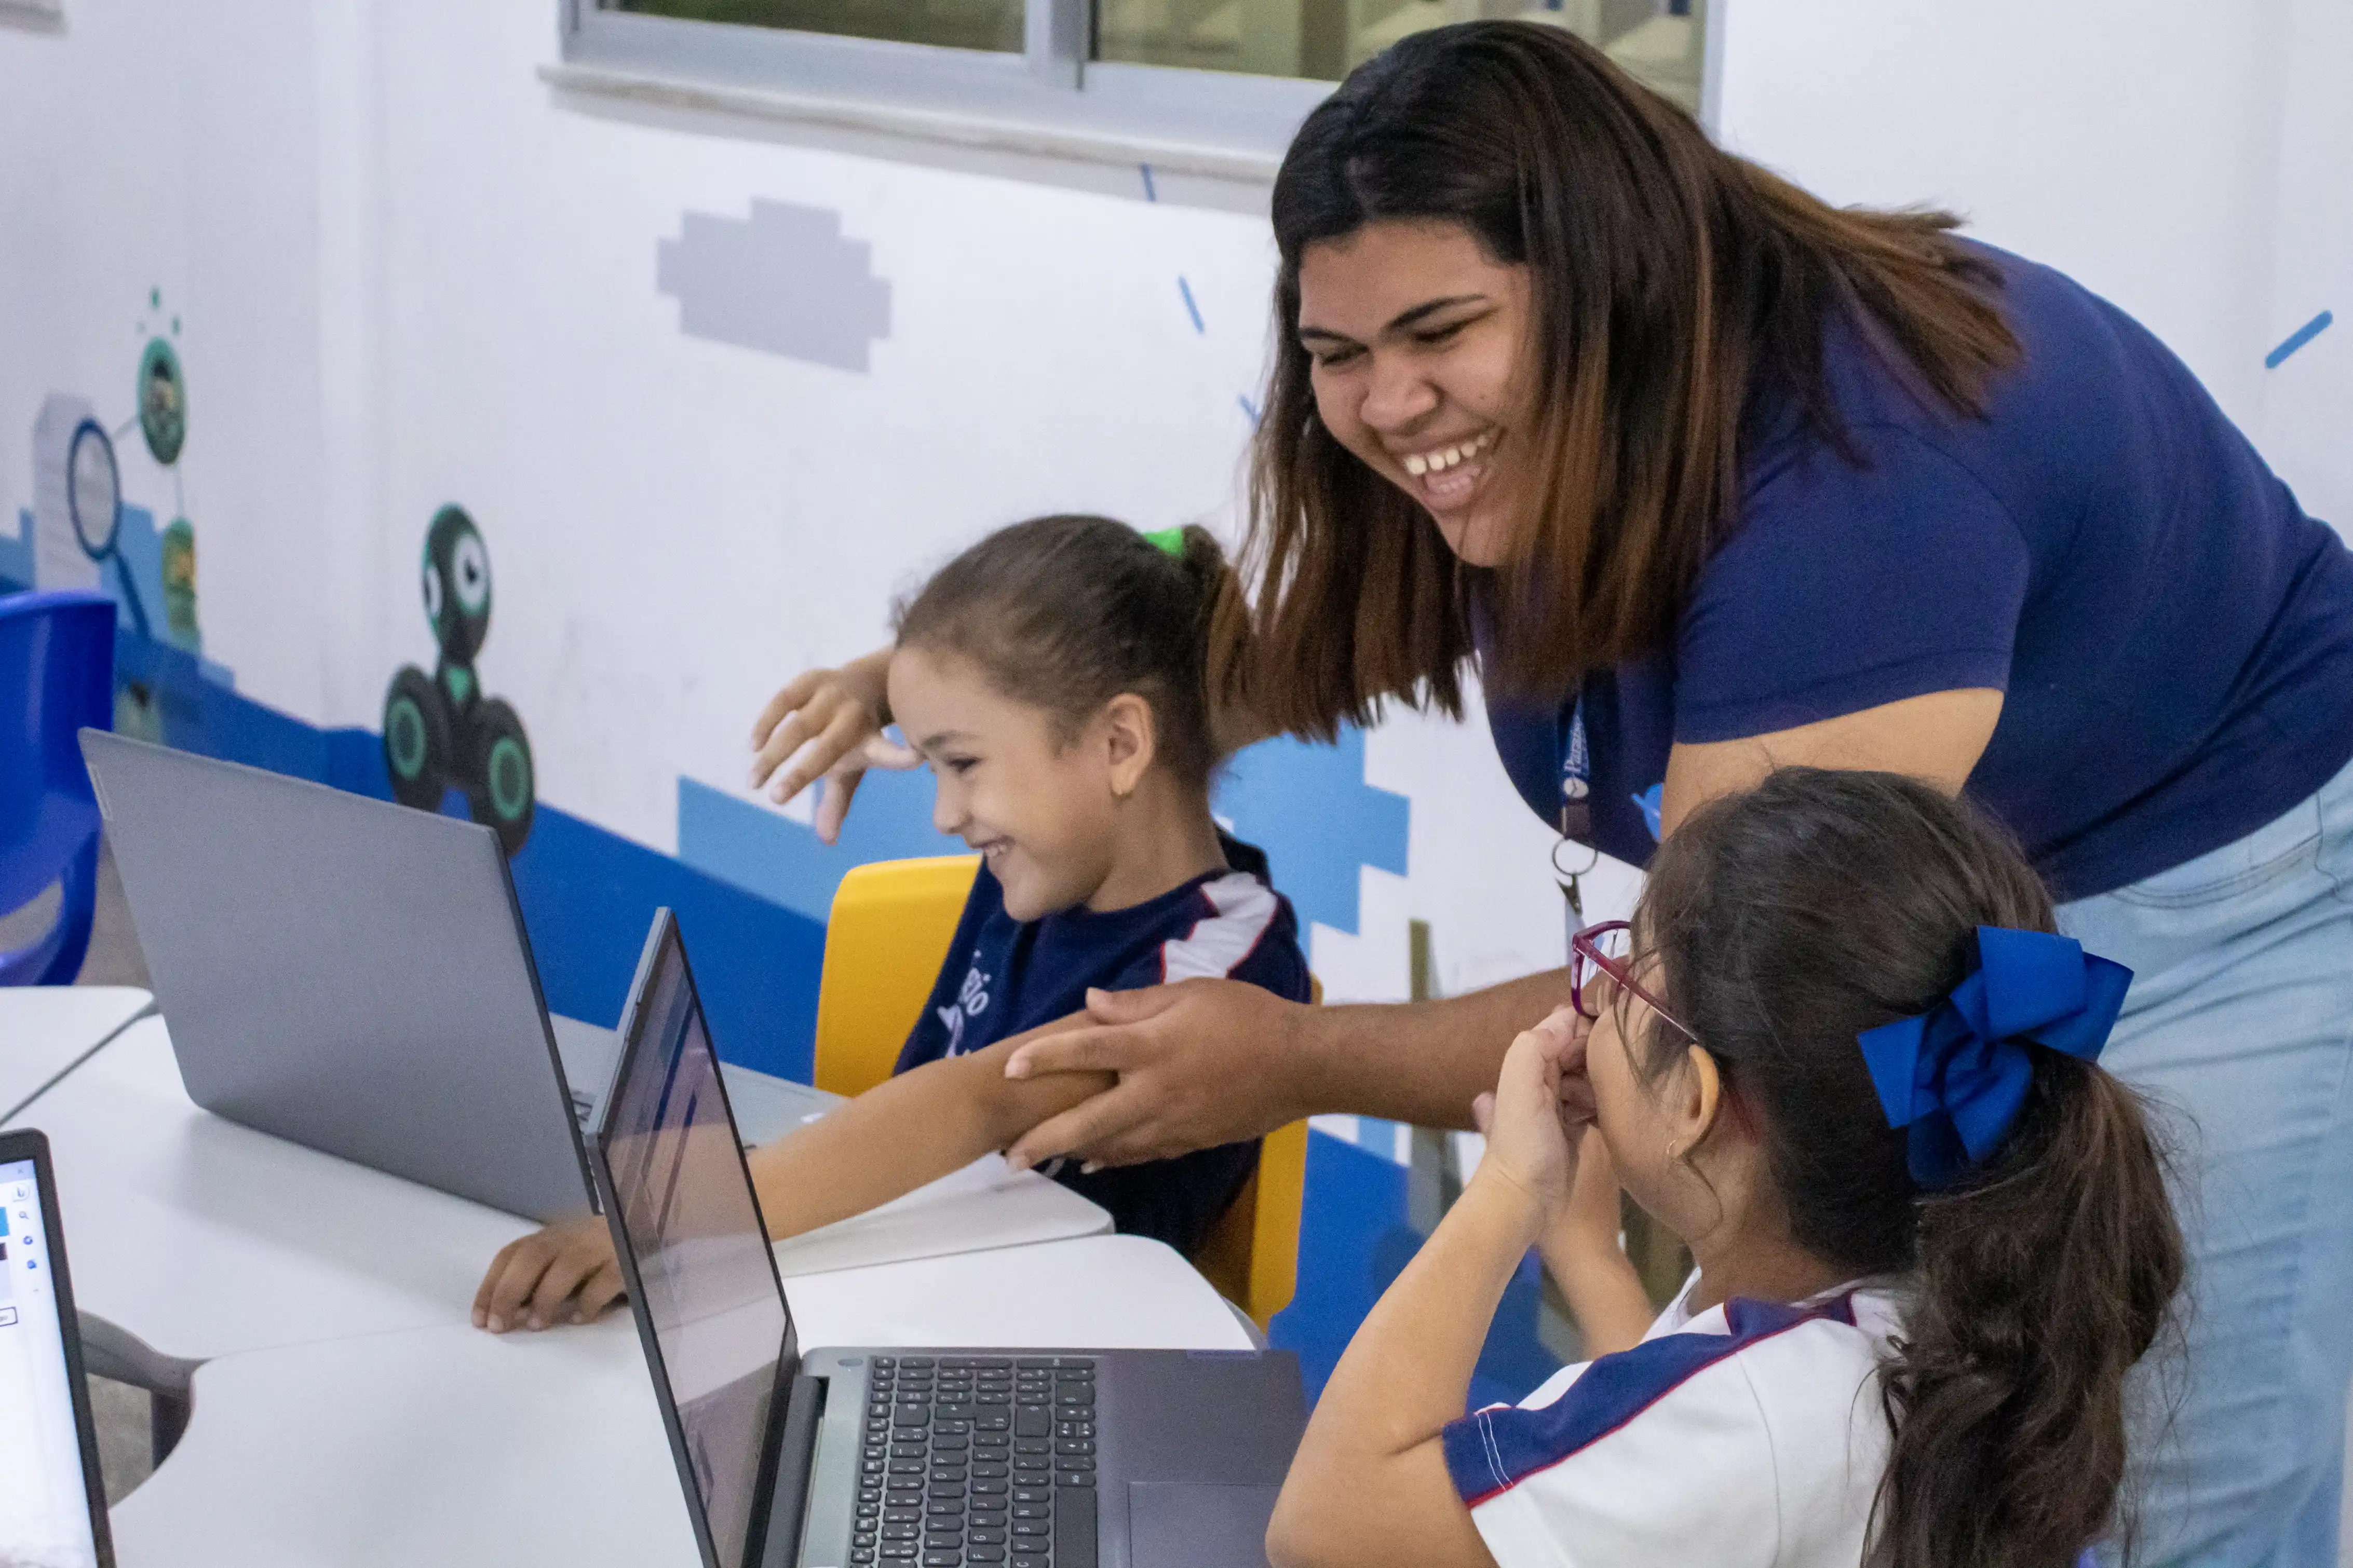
(986, 1460)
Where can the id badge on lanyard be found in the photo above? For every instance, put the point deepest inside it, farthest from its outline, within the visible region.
(1575, 817)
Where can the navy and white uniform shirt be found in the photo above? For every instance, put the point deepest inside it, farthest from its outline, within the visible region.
(1005, 976)
(1751, 1434)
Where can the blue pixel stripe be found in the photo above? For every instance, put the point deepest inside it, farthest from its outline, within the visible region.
(2298, 339)
(1492, 1451)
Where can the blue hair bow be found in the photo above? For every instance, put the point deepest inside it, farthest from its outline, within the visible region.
(1955, 1076)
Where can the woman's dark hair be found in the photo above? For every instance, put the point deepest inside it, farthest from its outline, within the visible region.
(1785, 923)
(1066, 612)
(1672, 283)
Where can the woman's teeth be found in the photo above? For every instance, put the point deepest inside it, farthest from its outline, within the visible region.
(1438, 462)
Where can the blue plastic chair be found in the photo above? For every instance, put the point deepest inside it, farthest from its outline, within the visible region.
(57, 674)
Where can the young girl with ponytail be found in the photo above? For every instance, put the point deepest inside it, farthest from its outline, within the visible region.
(1841, 1052)
(1052, 676)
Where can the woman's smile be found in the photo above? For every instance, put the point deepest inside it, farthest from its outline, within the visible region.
(1444, 477)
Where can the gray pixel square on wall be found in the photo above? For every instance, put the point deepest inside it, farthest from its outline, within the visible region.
(783, 281)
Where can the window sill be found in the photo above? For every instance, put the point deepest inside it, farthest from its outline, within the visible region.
(1086, 145)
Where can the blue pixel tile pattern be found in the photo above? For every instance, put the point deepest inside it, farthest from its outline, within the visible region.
(1309, 807)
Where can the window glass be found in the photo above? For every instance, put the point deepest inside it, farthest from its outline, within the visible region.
(955, 23)
(1657, 41)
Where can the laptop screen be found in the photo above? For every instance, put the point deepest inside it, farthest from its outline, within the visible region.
(706, 1278)
(45, 1496)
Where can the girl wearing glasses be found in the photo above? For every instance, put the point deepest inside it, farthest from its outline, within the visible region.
(1841, 1053)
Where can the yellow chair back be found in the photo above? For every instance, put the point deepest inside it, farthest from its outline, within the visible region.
(884, 942)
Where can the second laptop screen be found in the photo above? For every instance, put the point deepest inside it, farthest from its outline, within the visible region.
(705, 1267)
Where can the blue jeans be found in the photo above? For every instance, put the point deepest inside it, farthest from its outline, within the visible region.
(2239, 1027)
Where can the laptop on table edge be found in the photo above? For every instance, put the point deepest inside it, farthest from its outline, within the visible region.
(52, 1497)
(350, 975)
(892, 1456)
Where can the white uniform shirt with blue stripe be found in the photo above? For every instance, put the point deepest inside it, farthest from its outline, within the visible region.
(1750, 1434)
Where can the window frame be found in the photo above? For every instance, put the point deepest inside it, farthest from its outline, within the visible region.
(1213, 123)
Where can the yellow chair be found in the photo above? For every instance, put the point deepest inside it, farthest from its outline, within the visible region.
(884, 940)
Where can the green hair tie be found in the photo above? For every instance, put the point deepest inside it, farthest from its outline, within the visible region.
(1169, 539)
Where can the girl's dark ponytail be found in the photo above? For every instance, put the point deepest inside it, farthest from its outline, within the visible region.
(1224, 625)
(2042, 1282)
(1789, 921)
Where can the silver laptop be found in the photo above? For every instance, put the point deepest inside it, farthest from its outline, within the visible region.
(350, 975)
(850, 1457)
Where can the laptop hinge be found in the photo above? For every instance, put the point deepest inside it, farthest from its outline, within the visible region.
(796, 1455)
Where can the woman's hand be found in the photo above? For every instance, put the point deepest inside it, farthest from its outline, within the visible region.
(833, 719)
(1537, 1115)
(565, 1274)
(1200, 1063)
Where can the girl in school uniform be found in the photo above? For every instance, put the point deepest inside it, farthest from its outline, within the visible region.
(1842, 1053)
(1053, 677)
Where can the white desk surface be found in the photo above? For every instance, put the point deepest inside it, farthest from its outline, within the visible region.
(45, 1029)
(447, 1445)
(203, 1238)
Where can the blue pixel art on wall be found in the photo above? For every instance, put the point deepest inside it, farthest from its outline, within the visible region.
(1309, 807)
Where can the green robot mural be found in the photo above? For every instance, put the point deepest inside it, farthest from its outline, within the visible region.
(439, 729)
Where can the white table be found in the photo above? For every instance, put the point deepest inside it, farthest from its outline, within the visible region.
(203, 1238)
(447, 1445)
(988, 1204)
(46, 1029)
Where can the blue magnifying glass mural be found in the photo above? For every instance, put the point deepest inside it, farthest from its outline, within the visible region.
(94, 501)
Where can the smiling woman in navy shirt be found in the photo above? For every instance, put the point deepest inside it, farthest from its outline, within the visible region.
(1700, 476)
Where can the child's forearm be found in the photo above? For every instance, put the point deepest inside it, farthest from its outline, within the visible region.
(1406, 1373)
(1369, 1487)
(1603, 1292)
(903, 1133)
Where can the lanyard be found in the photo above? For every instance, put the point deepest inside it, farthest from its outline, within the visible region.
(1576, 817)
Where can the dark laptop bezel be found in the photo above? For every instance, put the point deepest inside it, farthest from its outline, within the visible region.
(792, 1400)
(28, 1143)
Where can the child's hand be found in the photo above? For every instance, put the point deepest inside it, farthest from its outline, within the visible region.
(564, 1274)
(1541, 1107)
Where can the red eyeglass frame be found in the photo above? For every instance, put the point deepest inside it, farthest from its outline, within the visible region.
(1584, 949)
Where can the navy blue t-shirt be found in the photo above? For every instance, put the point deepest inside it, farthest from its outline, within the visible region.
(1003, 976)
(2173, 633)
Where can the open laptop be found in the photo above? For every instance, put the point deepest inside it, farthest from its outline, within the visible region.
(52, 1499)
(845, 1457)
(350, 975)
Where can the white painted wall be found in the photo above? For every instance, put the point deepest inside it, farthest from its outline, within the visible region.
(411, 273)
(2132, 144)
(2189, 160)
(2308, 422)
(175, 147)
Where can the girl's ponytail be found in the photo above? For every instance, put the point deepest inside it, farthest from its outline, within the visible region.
(2041, 1280)
(1222, 622)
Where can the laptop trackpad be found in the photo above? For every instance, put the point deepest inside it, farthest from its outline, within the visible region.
(1188, 1525)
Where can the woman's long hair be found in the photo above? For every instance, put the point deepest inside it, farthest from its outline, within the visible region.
(1672, 282)
(1787, 921)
